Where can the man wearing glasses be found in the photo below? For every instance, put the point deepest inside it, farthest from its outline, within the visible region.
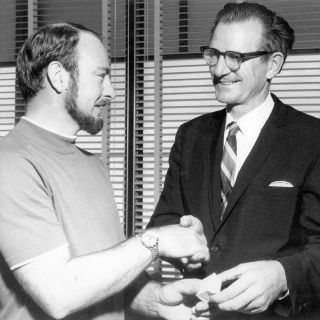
(251, 174)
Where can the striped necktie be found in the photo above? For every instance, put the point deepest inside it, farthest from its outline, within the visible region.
(228, 165)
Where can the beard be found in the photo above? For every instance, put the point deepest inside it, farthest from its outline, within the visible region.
(86, 122)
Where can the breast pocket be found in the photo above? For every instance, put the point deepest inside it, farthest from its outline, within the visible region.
(280, 191)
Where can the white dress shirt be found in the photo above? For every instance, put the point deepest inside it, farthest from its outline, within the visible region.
(250, 126)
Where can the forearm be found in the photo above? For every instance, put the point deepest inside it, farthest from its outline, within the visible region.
(61, 285)
(107, 273)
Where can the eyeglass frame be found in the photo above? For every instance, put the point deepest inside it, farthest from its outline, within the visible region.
(244, 56)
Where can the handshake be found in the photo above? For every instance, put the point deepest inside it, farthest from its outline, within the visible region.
(187, 243)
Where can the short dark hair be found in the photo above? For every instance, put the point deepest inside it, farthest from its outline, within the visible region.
(278, 35)
(54, 42)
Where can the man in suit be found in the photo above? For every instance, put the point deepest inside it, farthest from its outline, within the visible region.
(251, 174)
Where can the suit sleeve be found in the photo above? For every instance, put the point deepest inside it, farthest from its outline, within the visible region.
(303, 267)
(170, 207)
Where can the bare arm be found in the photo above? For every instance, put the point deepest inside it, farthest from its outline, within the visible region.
(61, 285)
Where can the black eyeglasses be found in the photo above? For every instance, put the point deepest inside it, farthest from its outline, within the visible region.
(232, 59)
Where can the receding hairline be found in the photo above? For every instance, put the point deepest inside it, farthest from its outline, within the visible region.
(243, 21)
(240, 21)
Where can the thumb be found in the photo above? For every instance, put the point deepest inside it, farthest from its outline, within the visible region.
(192, 222)
(188, 286)
(186, 221)
(174, 292)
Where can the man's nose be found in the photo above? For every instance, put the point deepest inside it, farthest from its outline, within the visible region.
(220, 69)
(108, 90)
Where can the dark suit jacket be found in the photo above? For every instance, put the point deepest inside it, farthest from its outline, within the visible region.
(260, 222)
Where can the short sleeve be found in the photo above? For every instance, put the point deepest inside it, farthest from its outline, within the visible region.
(29, 226)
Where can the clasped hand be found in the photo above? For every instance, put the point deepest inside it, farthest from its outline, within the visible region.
(255, 286)
(191, 222)
(185, 241)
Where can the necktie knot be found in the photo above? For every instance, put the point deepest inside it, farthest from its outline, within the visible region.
(233, 129)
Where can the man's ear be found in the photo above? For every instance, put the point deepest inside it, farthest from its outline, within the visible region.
(275, 64)
(57, 77)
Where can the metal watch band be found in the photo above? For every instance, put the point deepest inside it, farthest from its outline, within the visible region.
(154, 248)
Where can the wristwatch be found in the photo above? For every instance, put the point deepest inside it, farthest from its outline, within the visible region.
(151, 242)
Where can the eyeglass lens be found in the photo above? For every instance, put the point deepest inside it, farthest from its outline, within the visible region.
(232, 60)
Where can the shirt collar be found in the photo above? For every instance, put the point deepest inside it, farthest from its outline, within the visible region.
(252, 122)
(71, 138)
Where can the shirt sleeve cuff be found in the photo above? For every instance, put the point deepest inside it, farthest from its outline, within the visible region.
(283, 295)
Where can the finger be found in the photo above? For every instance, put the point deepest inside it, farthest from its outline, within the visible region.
(232, 291)
(175, 292)
(201, 307)
(193, 266)
(201, 256)
(187, 286)
(201, 310)
(231, 274)
(196, 260)
(196, 224)
(254, 310)
(204, 240)
(184, 260)
(201, 317)
(198, 257)
(258, 304)
(240, 302)
(193, 222)
(185, 221)
(194, 317)
(234, 273)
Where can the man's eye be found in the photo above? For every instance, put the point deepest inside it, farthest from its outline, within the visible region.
(233, 56)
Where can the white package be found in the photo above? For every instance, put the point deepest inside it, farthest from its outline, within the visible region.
(208, 287)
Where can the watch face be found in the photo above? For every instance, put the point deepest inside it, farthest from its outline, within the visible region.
(149, 239)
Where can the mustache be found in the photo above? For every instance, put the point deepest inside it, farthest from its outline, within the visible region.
(216, 80)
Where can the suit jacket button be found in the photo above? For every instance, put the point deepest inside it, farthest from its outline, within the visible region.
(215, 249)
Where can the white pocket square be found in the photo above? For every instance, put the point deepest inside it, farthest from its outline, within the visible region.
(281, 184)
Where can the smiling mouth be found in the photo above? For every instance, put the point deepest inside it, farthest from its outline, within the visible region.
(100, 105)
(216, 81)
(227, 83)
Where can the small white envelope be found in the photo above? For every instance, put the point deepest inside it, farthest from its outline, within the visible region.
(281, 184)
(208, 287)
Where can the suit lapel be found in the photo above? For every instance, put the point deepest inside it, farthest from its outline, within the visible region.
(198, 170)
(266, 141)
(214, 160)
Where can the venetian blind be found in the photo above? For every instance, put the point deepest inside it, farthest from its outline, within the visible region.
(8, 38)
